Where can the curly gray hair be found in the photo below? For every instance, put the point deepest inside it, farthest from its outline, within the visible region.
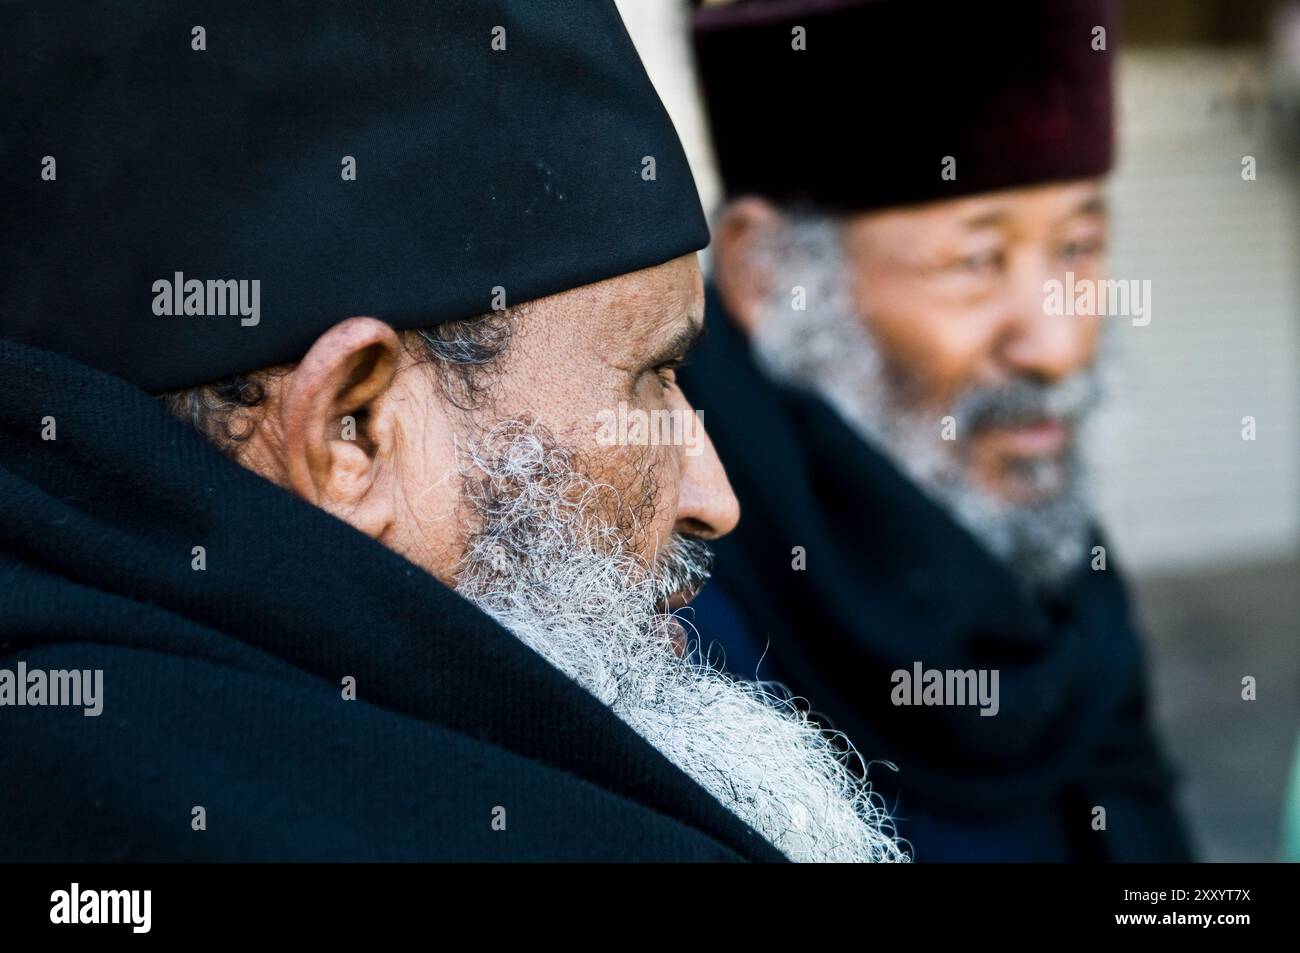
(461, 352)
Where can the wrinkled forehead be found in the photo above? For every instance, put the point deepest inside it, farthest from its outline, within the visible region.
(634, 313)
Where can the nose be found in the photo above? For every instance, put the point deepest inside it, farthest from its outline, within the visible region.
(1038, 344)
(706, 505)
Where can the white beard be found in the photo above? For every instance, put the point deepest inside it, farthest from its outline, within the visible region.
(827, 351)
(557, 575)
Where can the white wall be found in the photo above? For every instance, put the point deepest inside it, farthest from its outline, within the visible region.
(1179, 485)
(658, 28)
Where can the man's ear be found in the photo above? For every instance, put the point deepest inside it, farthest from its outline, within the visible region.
(337, 427)
(743, 275)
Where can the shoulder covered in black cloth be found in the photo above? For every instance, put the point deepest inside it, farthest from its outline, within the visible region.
(223, 688)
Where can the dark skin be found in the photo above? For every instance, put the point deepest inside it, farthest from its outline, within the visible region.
(571, 356)
(953, 294)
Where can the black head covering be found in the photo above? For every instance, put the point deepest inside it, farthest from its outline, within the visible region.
(1017, 92)
(524, 168)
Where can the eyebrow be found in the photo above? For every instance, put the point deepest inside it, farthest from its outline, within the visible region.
(1093, 206)
(683, 341)
(988, 219)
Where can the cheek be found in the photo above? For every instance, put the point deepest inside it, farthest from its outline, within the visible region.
(936, 350)
(642, 492)
(663, 467)
(610, 426)
(1089, 340)
(430, 529)
(1090, 268)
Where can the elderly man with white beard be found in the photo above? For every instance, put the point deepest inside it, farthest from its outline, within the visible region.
(388, 595)
(899, 412)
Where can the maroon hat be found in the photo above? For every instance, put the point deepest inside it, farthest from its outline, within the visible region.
(1015, 91)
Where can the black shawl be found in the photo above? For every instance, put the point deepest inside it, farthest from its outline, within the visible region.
(890, 580)
(223, 687)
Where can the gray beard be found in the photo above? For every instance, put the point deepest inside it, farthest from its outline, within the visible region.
(828, 351)
(553, 567)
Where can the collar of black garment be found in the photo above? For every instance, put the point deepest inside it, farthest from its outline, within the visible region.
(120, 497)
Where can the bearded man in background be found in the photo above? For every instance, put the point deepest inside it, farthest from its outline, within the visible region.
(900, 415)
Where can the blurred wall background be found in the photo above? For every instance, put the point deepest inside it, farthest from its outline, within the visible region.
(1207, 524)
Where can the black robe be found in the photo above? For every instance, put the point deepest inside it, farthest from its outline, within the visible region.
(223, 687)
(892, 580)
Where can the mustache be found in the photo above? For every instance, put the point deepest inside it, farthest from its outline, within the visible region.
(682, 568)
(1022, 402)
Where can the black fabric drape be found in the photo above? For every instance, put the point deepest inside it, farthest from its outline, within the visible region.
(223, 687)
